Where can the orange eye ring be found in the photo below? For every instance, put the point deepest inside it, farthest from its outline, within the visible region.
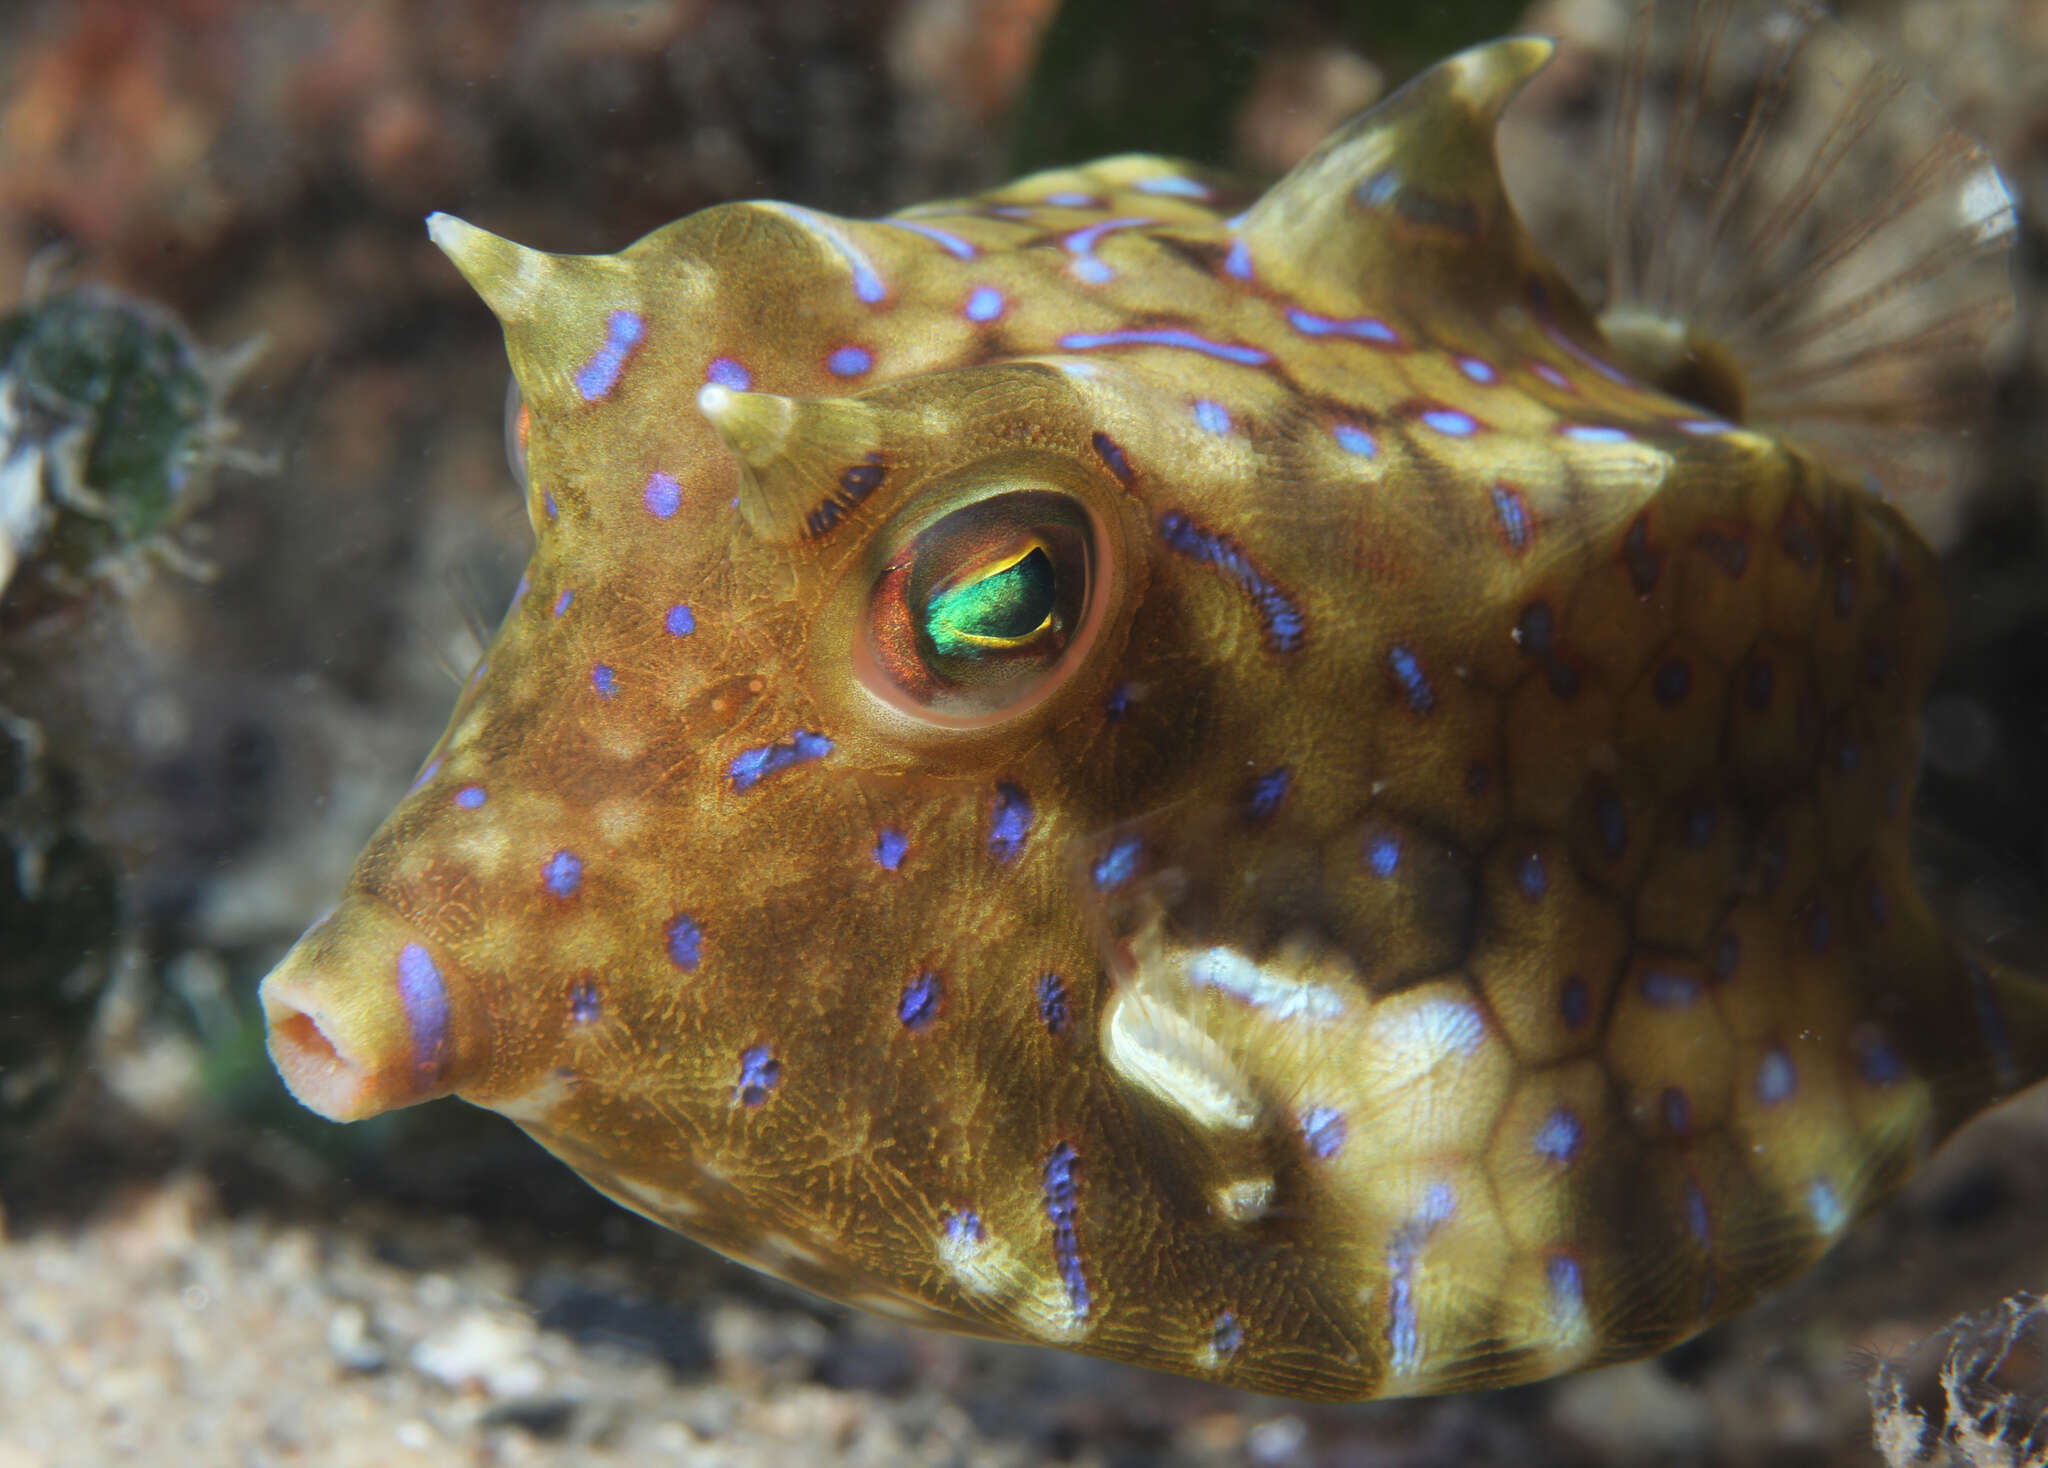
(980, 613)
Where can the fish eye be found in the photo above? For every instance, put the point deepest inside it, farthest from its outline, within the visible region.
(518, 425)
(980, 611)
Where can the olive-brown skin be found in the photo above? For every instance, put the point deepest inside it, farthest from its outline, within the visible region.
(1443, 919)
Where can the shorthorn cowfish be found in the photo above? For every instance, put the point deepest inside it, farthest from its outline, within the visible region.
(1237, 781)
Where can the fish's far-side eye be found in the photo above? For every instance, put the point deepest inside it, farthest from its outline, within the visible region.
(1336, 803)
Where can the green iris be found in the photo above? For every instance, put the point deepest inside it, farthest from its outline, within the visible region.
(995, 610)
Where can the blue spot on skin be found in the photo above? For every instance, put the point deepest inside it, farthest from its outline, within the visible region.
(1324, 1130)
(1212, 416)
(1478, 371)
(1051, 994)
(1062, 1207)
(1380, 188)
(1238, 263)
(849, 361)
(1009, 822)
(1825, 1207)
(1360, 328)
(1383, 856)
(1593, 433)
(469, 797)
(563, 873)
(1093, 271)
(423, 997)
(597, 377)
(919, 1005)
(1876, 1061)
(1450, 422)
(751, 766)
(965, 1227)
(1281, 619)
(679, 620)
(1514, 516)
(1567, 1289)
(760, 1073)
(1172, 185)
(1070, 199)
(1665, 988)
(1407, 671)
(984, 303)
(727, 373)
(604, 680)
(662, 496)
(1355, 441)
(1088, 341)
(562, 602)
(1559, 1137)
(1114, 867)
(891, 846)
(1775, 1078)
(951, 243)
(684, 939)
(1696, 1220)
(1532, 877)
(1226, 1336)
(1574, 1005)
(1119, 703)
(1677, 1111)
(1266, 793)
(585, 1007)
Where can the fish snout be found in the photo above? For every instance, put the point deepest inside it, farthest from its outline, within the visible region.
(360, 1016)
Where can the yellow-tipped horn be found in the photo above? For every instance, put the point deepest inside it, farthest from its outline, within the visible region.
(795, 455)
(510, 277)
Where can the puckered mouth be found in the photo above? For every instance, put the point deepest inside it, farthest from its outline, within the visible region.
(358, 1015)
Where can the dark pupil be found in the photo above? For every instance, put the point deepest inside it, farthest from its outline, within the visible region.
(1001, 607)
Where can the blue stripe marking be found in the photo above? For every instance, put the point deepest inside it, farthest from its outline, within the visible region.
(1407, 671)
(867, 285)
(1082, 242)
(953, 244)
(1359, 328)
(597, 377)
(1281, 618)
(1062, 1207)
(1168, 336)
(751, 766)
(1172, 185)
(423, 996)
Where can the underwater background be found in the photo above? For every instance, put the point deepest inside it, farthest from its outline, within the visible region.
(209, 698)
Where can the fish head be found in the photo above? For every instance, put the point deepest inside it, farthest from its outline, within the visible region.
(793, 704)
